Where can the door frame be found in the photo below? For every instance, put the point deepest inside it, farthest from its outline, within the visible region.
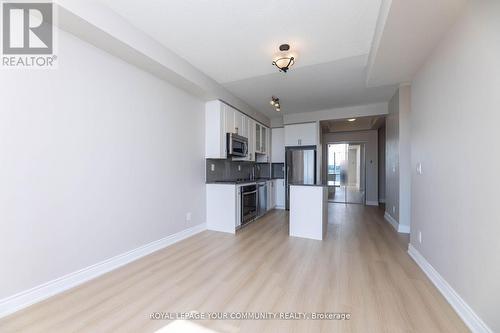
(353, 142)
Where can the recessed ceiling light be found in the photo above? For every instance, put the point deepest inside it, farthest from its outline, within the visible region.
(351, 120)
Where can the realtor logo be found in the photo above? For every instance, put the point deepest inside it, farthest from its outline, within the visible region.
(28, 34)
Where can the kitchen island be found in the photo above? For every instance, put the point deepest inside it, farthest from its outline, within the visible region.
(308, 211)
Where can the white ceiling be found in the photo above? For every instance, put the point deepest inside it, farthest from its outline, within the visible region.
(318, 87)
(234, 43)
(360, 124)
(410, 32)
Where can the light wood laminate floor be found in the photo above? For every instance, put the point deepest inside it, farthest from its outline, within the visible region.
(361, 268)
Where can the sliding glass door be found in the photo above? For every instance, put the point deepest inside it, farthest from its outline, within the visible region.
(346, 173)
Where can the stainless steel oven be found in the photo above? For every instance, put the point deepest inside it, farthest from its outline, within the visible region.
(249, 203)
(237, 145)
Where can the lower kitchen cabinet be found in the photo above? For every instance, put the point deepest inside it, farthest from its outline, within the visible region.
(280, 193)
(271, 194)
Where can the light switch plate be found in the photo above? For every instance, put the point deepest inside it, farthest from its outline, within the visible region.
(419, 168)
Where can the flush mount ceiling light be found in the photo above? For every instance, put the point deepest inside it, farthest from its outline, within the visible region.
(275, 101)
(284, 60)
(351, 120)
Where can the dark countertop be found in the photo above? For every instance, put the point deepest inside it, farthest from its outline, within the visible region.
(237, 182)
(231, 182)
(317, 184)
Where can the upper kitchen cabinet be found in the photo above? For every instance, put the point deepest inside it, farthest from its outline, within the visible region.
(235, 121)
(216, 128)
(251, 139)
(221, 119)
(301, 135)
(278, 145)
(261, 139)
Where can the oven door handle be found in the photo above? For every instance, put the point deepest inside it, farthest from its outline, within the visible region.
(247, 193)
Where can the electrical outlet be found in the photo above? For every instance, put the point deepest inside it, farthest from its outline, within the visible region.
(420, 237)
(394, 209)
(212, 167)
(239, 167)
(188, 217)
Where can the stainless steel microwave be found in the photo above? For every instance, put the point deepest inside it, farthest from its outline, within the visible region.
(237, 145)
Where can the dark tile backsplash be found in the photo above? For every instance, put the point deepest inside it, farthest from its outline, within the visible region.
(278, 170)
(227, 170)
(263, 170)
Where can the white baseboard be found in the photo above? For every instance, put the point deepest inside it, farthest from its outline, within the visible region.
(391, 220)
(34, 295)
(464, 311)
(279, 207)
(404, 229)
(371, 203)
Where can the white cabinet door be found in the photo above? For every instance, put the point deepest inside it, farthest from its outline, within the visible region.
(230, 119)
(301, 135)
(280, 193)
(273, 193)
(269, 195)
(309, 134)
(238, 207)
(215, 130)
(239, 122)
(251, 139)
(244, 126)
(278, 145)
(264, 132)
(258, 137)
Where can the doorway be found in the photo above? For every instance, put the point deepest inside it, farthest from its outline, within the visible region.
(346, 173)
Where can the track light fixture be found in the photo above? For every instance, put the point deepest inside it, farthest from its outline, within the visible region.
(275, 101)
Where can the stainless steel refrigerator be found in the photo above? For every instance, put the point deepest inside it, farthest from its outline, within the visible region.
(300, 168)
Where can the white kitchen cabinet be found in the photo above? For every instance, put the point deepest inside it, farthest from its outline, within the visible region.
(221, 119)
(261, 139)
(229, 118)
(280, 193)
(271, 194)
(258, 136)
(215, 130)
(278, 145)
(222, 207)
(301, 135)
(240, 124)
(235, 121)
(264, 133)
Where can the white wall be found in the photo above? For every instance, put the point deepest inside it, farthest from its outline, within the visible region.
(99, 25)
(392, 159)
(370, 138)
(398, 166)
(404, 157)
(375, 109)
(381, 164)
(455, 123)
(97, 158)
